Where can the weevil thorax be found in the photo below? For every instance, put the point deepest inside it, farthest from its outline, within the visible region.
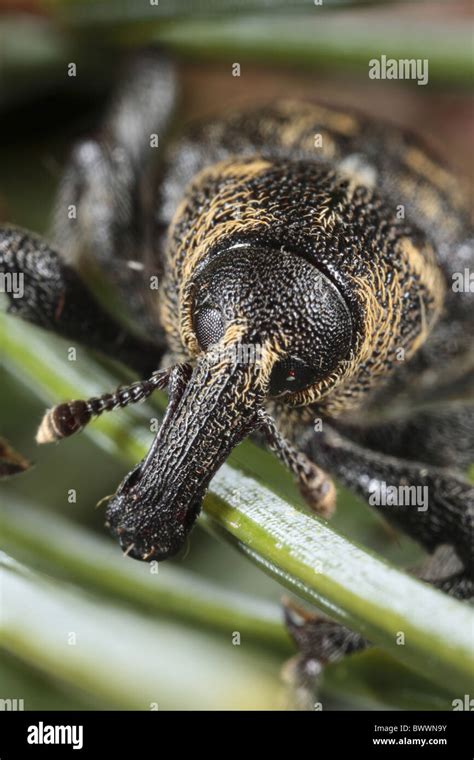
(309, 267)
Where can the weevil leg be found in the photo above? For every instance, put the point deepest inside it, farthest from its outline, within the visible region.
(50, 294)
(107, 197)
(11, 461)
(321, 641)
(445, 527)
(314, 633)
(440, 511)
(444, 570)
(444, 437)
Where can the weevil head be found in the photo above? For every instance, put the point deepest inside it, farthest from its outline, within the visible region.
(259, 324)
(272, 309)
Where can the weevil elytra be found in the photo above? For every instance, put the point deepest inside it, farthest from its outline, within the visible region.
(331, 259)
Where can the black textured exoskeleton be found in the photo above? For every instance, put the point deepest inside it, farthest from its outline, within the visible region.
(307, 259)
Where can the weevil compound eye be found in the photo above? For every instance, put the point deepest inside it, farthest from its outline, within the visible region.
(208, 326)
(291, 375)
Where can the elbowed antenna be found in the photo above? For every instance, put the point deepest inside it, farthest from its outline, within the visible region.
(68, 418)
(315, 484)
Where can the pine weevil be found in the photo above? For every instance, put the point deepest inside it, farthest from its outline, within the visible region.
(332, 259)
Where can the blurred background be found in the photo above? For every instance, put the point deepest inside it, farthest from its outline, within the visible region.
(91, 630)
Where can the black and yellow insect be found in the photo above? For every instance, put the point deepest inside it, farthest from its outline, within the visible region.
(306, 258)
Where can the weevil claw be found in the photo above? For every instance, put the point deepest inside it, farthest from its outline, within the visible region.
(149, 554)
(128, 550)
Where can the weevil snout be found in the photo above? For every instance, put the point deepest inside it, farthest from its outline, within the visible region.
(156, 505)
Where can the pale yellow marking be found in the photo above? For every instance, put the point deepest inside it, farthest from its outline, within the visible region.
(433, 172)
(337, 121)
